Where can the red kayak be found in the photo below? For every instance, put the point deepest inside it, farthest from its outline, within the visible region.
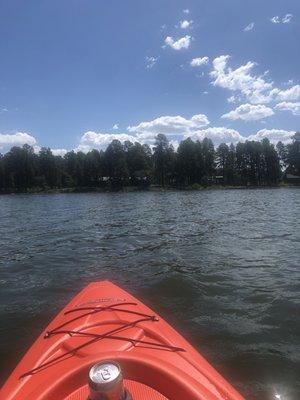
(102, 336)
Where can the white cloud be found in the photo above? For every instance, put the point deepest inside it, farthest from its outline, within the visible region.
(291, 94)
(97, 140)
(249, 112)
(16, 139)
(225, 135)
(294, 108)
(185, 24)
(36, 148)
(115, 126)
(274, 135)
(182, 43)
(284, 20)
(249, 27)
(253, 88)
(197, 62)
(150, 61)
(231, 99)
(169, 125)
(177, 128)
(175, 144)
(186, 11)
(275, 20)
(218, 135)
(287, 18)
(59, 152)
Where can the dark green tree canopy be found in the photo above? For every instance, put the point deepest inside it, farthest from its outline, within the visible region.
(194, 162)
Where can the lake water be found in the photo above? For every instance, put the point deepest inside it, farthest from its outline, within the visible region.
(220, 265)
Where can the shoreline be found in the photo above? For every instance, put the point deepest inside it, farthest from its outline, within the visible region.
(151, 188)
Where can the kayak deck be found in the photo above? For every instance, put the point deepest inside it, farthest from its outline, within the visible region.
(103, 322)
(138, 390)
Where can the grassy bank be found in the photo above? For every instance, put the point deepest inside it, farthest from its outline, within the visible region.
(151, 188)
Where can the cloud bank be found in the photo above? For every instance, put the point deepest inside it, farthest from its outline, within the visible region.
(218, 135)
(254, 88)
(274, 135)
(16, 139)
(176, 128)
(294, 108)
(249, 112)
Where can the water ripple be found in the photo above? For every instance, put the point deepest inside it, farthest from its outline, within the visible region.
(222, 266)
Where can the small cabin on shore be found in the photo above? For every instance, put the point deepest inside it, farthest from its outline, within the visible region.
(292, 179)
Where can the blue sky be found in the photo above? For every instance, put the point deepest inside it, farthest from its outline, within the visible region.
(72, 70)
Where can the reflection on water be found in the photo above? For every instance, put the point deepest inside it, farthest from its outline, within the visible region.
(222, 266)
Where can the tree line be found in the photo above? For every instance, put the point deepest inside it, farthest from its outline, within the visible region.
(255, 163)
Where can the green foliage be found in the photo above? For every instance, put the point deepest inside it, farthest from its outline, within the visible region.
(20, 166)
(139, 163)
(195, 186)
(187, 165)
(257, 163)
(49, 174)
(164, 160)
(293, 155)
(193, 165)
(115, 163)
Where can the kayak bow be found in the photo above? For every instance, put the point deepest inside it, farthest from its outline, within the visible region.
(103, 322)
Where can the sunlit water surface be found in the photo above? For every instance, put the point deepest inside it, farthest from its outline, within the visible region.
(222, 266)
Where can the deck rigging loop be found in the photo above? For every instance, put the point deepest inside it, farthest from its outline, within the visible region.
(94, 336)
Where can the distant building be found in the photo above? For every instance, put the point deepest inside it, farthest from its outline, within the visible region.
(293, 179)
(218, 179)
